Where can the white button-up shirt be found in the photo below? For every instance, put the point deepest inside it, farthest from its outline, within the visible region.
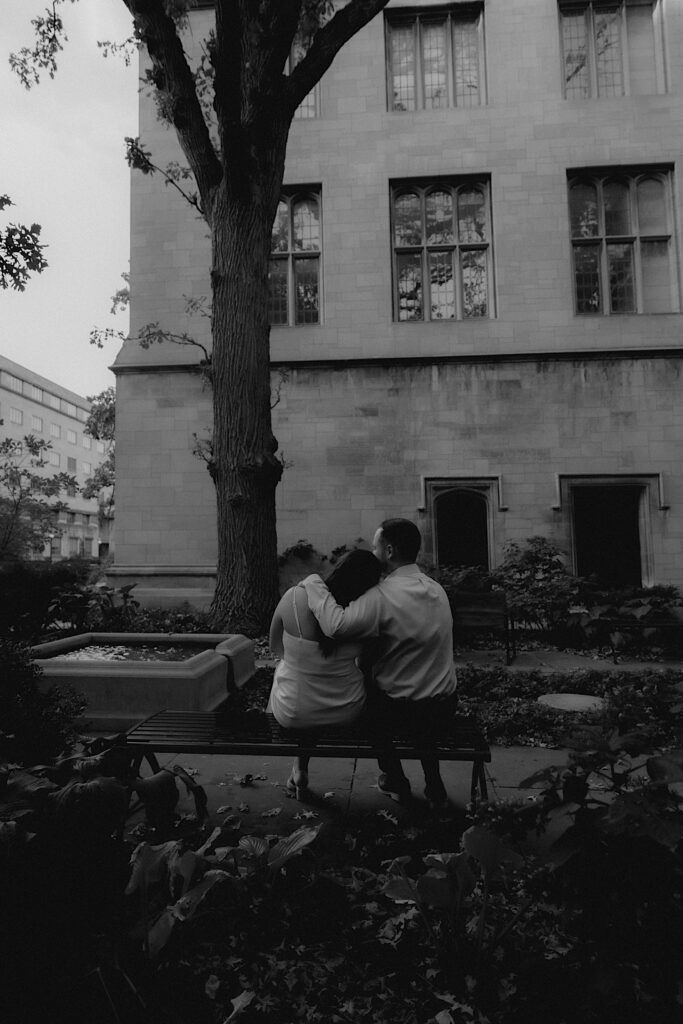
(409, 612)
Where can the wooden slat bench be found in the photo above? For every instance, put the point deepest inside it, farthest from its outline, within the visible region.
(486, 611)
(256, 732)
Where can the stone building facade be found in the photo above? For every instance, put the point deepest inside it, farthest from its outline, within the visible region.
(476, 300)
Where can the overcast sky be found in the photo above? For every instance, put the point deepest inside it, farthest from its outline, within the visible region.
(62, 162)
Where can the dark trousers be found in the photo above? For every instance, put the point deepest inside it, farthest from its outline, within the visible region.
(419, 721)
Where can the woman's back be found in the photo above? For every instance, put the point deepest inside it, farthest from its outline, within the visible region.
(310, 689)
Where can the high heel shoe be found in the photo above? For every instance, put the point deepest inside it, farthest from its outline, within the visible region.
(297, 783)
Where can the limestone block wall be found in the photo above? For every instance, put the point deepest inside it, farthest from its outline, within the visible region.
(363, 440)
(360, 442)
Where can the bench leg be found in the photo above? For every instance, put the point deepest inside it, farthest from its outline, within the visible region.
(478, 787)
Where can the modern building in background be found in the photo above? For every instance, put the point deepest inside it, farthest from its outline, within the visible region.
(475, 299)
(31, 404)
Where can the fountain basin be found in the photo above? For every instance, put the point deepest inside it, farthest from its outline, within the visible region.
(121, 693)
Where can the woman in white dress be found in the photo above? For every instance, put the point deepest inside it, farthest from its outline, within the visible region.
(318, 682)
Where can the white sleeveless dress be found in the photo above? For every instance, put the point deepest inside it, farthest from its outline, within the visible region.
(310, 690)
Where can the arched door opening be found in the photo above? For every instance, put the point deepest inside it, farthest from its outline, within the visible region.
(462, 528)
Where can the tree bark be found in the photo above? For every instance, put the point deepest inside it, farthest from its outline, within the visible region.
(245, 467)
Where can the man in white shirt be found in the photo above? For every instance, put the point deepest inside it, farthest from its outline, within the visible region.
(413, 671)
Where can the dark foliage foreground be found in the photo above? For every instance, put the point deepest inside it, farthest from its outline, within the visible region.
(380, 920)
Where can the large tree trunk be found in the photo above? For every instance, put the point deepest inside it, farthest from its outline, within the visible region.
(245, 468)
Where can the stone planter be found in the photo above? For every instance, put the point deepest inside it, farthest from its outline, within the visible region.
(120, 693)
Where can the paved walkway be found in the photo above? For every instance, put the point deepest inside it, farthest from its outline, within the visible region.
(344, 790)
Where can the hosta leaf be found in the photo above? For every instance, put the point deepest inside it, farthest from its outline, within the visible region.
(487, 848)
(187, 904)
(667, 767)
(183, 866)
(160, 933)
(401, 890)
(291, 845)
(209, 842)
(254, 846)
(437, 889)
(149, 864)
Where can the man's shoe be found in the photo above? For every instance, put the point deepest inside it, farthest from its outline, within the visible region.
(397, 789)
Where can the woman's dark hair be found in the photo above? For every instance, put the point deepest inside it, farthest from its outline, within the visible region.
(352, 576)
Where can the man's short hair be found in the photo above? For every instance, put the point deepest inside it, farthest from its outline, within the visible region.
(404, 537)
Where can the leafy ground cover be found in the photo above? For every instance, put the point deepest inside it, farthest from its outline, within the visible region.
(440, 922)
(506, 705)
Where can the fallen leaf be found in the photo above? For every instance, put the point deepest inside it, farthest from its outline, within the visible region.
(191, 771)
(305, 814)
(243, 808)
(244, 780)
(223, 808)
(328, 795)
(389, 817)
(239, 1004)
(272, 813)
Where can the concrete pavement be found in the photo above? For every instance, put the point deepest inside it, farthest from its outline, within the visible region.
(248, 795)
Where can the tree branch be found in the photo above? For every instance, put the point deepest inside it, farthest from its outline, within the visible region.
(327, 42)
(173, 77)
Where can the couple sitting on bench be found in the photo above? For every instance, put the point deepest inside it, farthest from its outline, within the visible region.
(360, 644)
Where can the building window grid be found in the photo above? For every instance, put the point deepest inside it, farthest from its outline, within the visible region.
(37, 423)
(71, 436)
(593, 44)
(16, 416)
(621, 243)
(55, 430)
(435, 60)
(441, 250)
(611, 49)
(295, 261)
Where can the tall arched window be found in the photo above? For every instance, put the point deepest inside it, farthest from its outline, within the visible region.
(294, 277)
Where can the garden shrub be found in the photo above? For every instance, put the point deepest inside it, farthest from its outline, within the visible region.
(36, 726)
(27, 590)
(539, 589)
